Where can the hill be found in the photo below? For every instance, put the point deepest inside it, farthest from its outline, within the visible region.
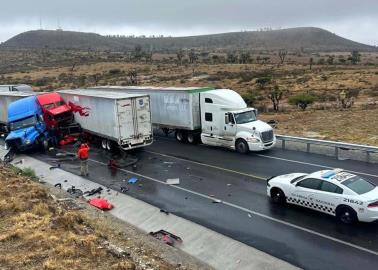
(306, 38)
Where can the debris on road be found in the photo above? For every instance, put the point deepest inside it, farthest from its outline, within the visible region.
(217, 201)
(164, 211)
(173, 181)
(167, 237)
(75, 191)
(124, 189)
(132, 180)
(228, 185)
(101, 203)
(59, 185)
(168, 162)
(93, 191)
(249, 215)
(55, 167)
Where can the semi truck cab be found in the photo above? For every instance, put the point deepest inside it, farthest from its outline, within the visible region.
(227, 122)
(26, 124)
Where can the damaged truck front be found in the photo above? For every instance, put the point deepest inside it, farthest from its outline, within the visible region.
(26, 125)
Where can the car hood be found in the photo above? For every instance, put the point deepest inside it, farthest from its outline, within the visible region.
(258, 124)
(286, 177)
(371, 195)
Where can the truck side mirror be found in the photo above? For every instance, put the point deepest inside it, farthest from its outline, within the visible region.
(256, 112)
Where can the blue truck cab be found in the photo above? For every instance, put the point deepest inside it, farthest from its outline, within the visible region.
(27, 127)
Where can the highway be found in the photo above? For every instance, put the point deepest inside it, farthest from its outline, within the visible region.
(226, 192)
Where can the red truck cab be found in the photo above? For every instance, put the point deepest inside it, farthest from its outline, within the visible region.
(56, 112)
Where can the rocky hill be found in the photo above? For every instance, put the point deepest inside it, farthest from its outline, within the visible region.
(303, 38)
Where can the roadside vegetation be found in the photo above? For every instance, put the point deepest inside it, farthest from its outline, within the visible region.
(40, 232)
(280, 83)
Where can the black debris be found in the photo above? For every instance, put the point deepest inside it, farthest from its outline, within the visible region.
(164, 211)
(94, 191)
(65, 181)
(59, 185)
(75, 191)
(55, 167)
(124, 189)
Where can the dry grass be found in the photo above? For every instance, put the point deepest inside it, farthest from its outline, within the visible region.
(37, 233)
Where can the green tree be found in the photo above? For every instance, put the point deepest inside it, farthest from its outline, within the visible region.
(354, 57)
(276, 95)
(302, 100)
(282, 55)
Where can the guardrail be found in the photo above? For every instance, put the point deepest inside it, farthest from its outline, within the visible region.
(337, 145)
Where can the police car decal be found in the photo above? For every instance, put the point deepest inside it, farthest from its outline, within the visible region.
(347, 196)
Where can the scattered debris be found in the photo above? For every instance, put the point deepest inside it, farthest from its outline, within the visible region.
(168, 162)
(249, 215)
(124, 189)
(65, 181)
(166, 237)
(217, 201)
(55, 167)
(101, 203)
(75, 191)
(94, 191)
(173, 181)
(132, 180)
(59, 185)
(19, 162)
(164, 211)
(228, 185)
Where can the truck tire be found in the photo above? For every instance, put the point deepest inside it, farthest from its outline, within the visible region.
(103, 144)
(44, 144)
(241, 146)
(110, 146)
(181, 136)
(193, 138)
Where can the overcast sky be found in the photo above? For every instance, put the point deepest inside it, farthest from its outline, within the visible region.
(353, 19)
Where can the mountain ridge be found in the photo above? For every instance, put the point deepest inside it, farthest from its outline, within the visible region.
(301, 38)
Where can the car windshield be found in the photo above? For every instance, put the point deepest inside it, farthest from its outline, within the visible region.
(24, 123)
(245, 117)
(297, 179)
(359, 185)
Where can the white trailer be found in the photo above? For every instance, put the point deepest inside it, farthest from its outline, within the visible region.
(7, 98)
(217, 117)
(16, 88)
(114, 117)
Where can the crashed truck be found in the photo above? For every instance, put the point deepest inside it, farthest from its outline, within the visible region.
(34, 120)
(115, 119)
(216, 117)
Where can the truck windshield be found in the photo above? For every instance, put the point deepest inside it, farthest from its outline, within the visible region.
(358, 185)
(24, 123)
(245, 117)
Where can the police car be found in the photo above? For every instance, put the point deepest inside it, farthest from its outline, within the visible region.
(347, 196)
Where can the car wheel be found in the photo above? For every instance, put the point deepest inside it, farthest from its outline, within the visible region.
(242, 146)
(103, 143)
(346, 215)
(278, 196)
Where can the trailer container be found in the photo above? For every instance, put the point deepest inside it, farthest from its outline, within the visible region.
(7, 98)
(118, 119)
(217, 117)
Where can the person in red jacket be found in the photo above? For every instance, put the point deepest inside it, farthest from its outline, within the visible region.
(83, 155)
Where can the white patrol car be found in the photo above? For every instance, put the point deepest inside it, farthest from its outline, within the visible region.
(347, 196)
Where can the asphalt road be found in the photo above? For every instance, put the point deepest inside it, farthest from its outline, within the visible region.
(305, 238)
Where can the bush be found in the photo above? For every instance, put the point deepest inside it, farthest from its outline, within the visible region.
(302, 101)
(115, 71)
(263, 81)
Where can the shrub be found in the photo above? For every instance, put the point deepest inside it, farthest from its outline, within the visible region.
(302, 100)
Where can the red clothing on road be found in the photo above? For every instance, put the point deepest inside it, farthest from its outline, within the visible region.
(83, 152)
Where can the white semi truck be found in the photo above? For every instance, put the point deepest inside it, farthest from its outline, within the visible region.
(116, 118)
(217, 117)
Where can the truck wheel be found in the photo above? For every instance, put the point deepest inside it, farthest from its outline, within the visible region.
(110, 145)
(346, 214)
(44, 145)
(193, 138)
(181, 136)
(103, 143)
(242, 146)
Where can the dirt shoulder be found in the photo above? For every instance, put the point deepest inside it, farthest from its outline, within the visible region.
(353, 126)
(40, 231)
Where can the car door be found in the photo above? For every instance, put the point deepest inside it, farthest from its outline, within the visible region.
(327, 197)
(304, 191)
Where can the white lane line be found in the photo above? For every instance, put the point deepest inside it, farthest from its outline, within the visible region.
(206, 165)
(317, 165)
(251, 211)
(296, 161)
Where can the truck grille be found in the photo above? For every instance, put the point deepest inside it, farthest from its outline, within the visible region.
(267, 136)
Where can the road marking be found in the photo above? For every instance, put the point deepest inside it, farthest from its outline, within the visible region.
(250, 211)
(207, 165)
(293, 161)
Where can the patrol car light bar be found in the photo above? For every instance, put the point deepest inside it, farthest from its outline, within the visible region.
(331, 173)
